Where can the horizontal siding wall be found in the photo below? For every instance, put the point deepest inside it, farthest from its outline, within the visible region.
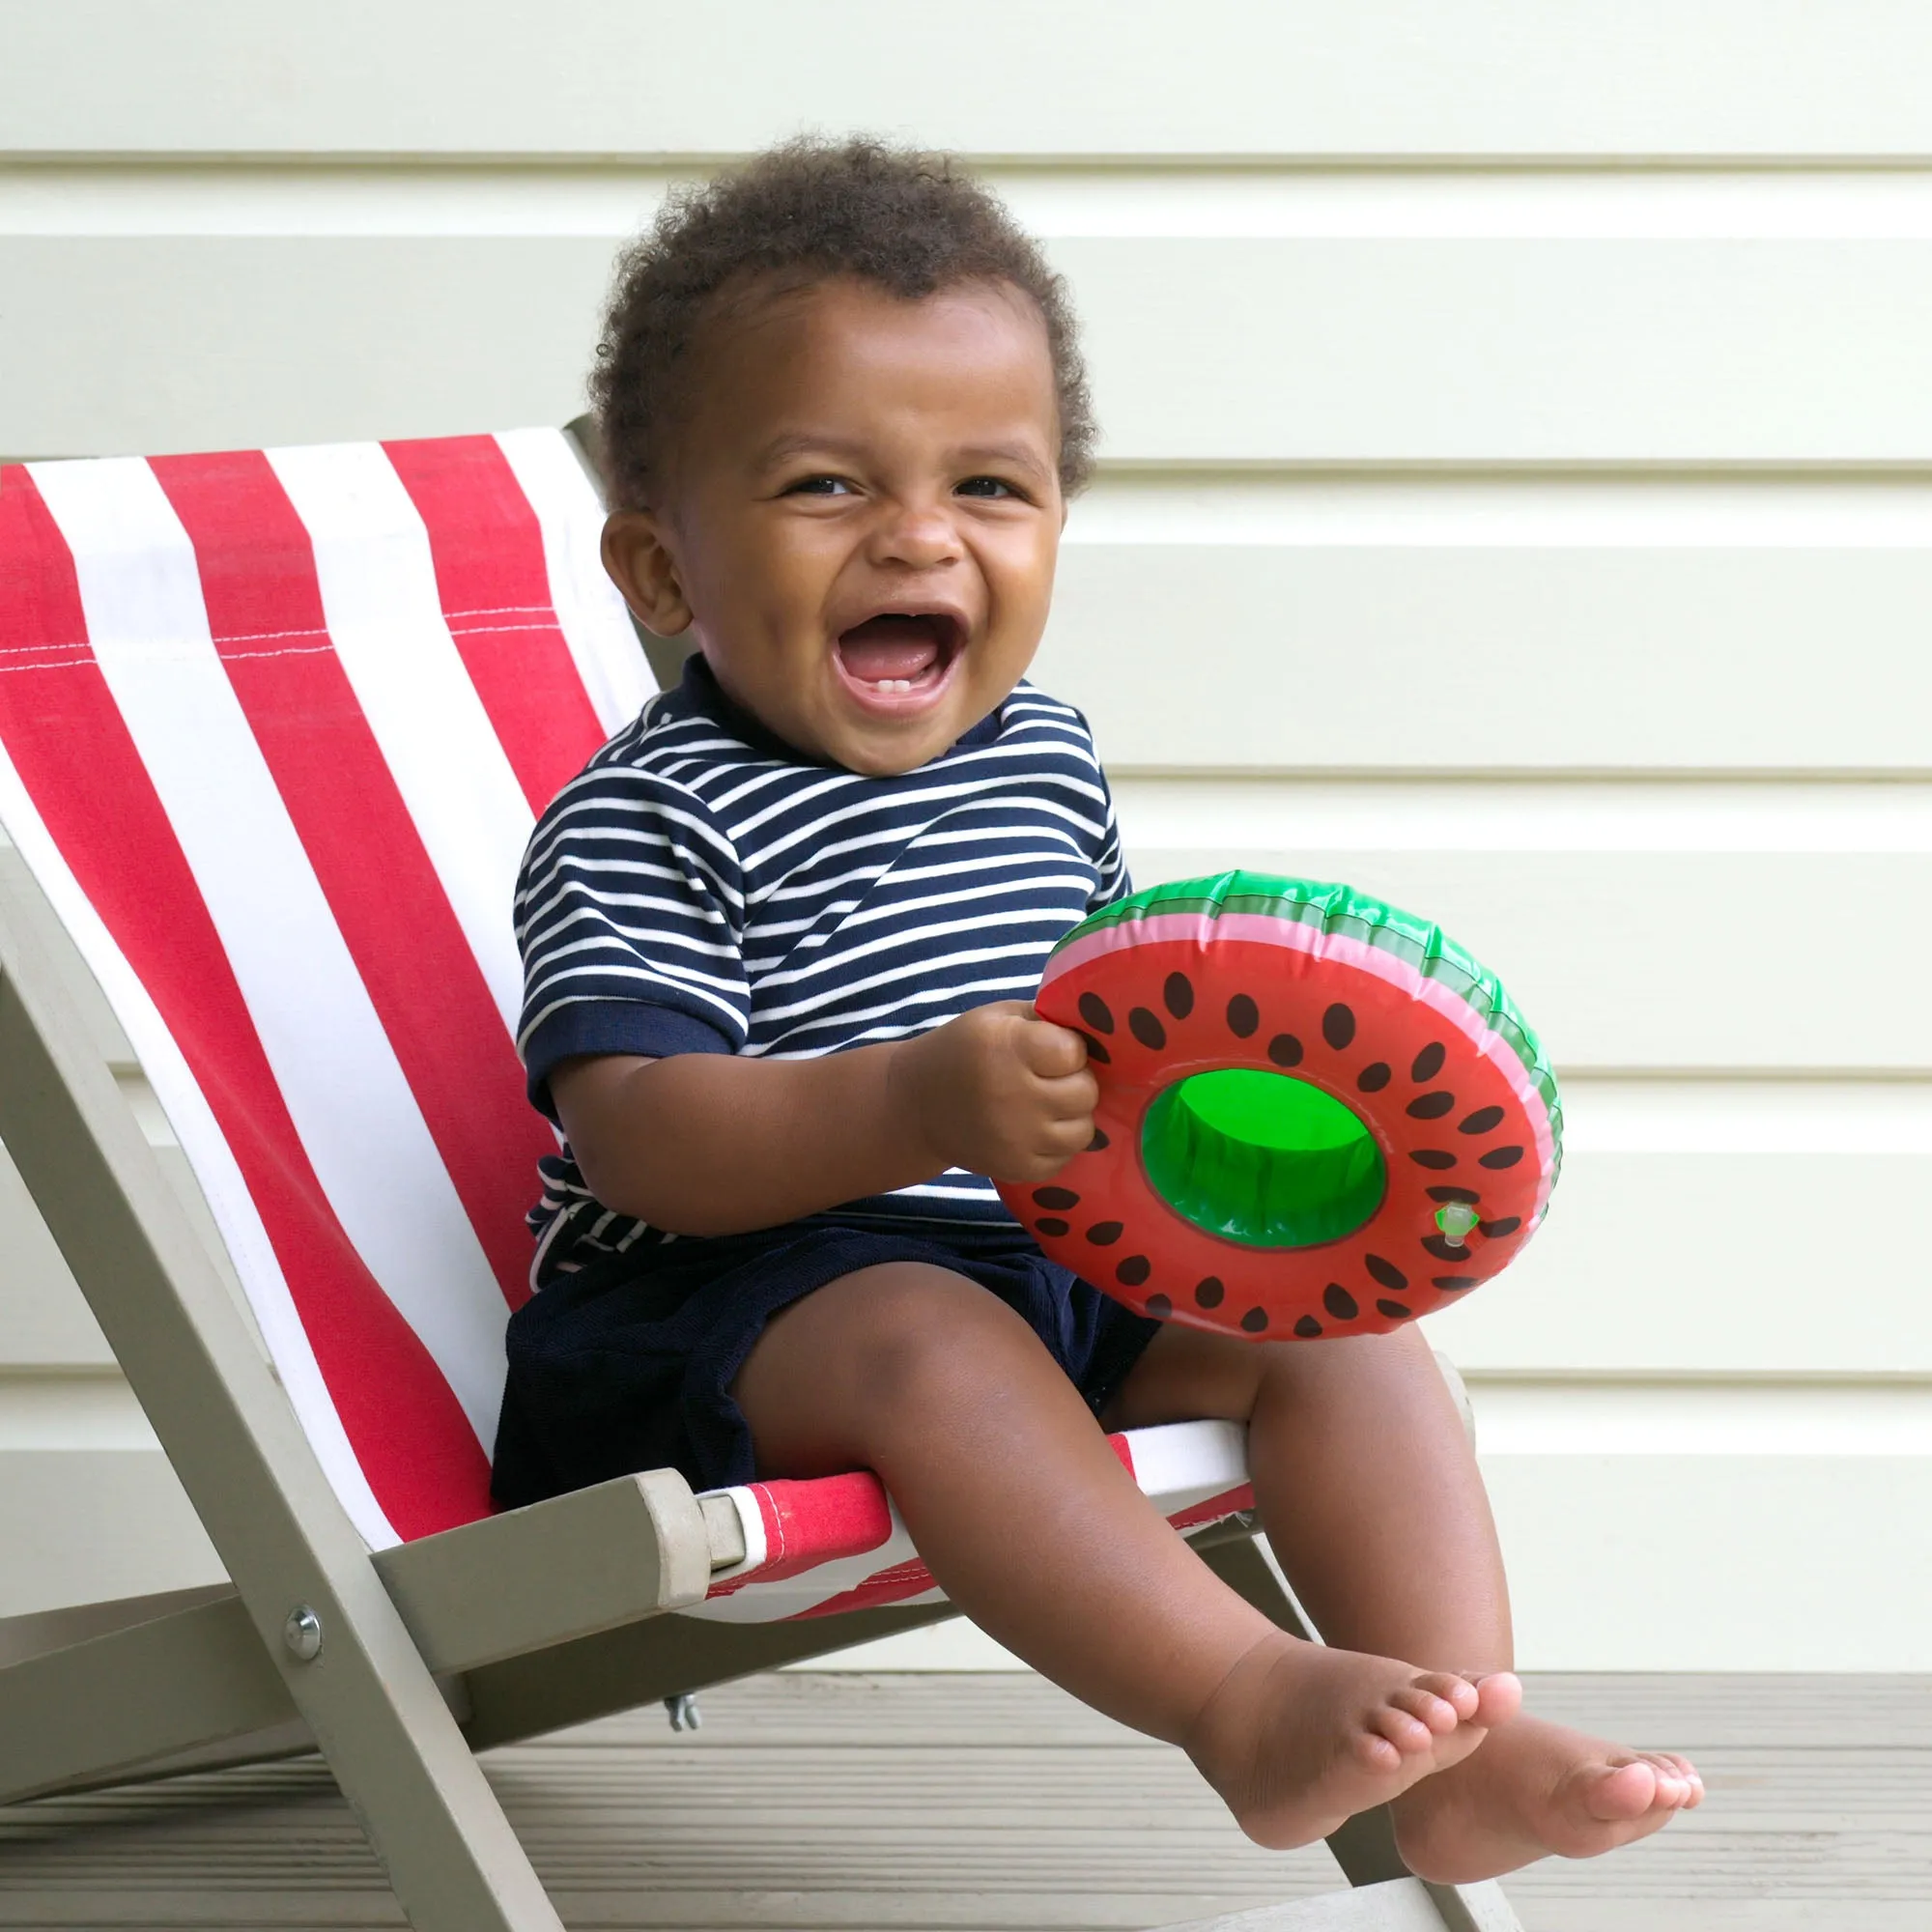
(1517, 499)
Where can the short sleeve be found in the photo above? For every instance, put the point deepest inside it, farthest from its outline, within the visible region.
(630, 919)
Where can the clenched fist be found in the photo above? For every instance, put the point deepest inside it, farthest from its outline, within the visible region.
(999, 1091)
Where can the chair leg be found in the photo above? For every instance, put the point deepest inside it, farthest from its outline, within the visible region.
(365, 1693)
(1365, 1846)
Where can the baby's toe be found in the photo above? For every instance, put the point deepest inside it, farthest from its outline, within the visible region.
(1679, 1787)
(1618, 1794)
(1498, 1698)
(1375, 1752)
(1457, 1691)
(1439, 1714)
(1402, 1728)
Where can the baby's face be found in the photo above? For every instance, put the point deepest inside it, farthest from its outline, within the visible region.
(864, 518)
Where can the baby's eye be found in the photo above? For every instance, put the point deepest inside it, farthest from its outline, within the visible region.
(985, 485)
(817, 486)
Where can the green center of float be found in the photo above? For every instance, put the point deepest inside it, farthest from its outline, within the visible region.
(1261, 1158)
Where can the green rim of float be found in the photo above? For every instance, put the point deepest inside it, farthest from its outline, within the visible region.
(1424, 948)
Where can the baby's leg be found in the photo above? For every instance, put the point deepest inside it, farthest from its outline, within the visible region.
(1035, 1531)
(1373, 1505)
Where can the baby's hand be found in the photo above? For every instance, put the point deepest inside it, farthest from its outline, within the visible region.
(999, 1091)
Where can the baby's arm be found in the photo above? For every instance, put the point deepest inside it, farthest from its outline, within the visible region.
(713, 1144)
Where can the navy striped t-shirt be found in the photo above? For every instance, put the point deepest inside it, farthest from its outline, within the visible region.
(702, 887)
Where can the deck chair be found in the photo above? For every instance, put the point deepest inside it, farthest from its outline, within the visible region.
(274, 727)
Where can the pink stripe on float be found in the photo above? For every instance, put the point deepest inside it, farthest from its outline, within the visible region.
(1203, 930)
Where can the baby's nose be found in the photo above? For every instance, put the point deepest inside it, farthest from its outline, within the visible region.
(919, 535)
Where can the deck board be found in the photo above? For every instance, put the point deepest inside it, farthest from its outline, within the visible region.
(971, 1803)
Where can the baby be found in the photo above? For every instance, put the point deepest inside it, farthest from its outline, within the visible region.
(780, 938)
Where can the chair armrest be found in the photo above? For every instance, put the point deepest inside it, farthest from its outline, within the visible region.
(559, 1570)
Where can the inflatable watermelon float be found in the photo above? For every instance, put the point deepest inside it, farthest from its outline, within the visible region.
(1317, 1115)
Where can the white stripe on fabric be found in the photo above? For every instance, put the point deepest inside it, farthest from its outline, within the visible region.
(351, 1103)
(385, 617)
(233, 1207)
(596, 627)
(1177, 1466)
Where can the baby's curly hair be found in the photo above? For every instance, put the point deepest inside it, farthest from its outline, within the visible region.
(907, 222)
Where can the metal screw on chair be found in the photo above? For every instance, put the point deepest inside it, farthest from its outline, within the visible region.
(682, 1712)
(301, 1631)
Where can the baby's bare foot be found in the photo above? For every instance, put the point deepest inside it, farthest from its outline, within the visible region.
(1299, 1738)
(1537, 1789)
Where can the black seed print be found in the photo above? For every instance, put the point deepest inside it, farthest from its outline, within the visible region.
(1095, 1052)
(1496, 1229)
(1255, 1321)
(1444, 1249)
(1177, 995)
(1484, 1121)
(1104, 1233)
(1284, 1050)
(1308, 1327)
(1146, 1029)
(1209, 1292)
(1373, 1077)
(1055, 1197)
(1134, 1270)
(1094, 1010)
(1338, 1026)
(1465, 1194)
(1049, 1224)
(1428, 1064)
(1431, 1106)
(1159, 1307)
(1339, 1303)
(1432, 1156)
(1450, 1283)
(1243, 1016)
(1099, 1144)
(1396, 1310)
(1385, 1272)
(1500, 1157)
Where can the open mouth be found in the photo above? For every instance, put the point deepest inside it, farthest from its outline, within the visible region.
(899, 655)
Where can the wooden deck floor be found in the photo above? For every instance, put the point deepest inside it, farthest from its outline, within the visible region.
(981, 1802)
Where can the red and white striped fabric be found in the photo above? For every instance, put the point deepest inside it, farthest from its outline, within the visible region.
(275, 728)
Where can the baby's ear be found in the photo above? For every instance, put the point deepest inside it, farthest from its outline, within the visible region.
(641, 566)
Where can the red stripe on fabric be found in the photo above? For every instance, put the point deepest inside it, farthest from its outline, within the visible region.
(1230, 1502)
(889, 1587)
(915, 1579)
(822, 1520)
(495, 588)
(73, 752)
(258, 579)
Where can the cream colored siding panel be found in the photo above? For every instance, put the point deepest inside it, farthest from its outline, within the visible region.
(264, 340)
(1374, 79)
(1262, 352)
(1214, 351)
(1729, 961)
(1720, 1563)
(1315, 656)
(43, 1321)
(1676, 1264)
(1516, 499)
(82, 1524)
